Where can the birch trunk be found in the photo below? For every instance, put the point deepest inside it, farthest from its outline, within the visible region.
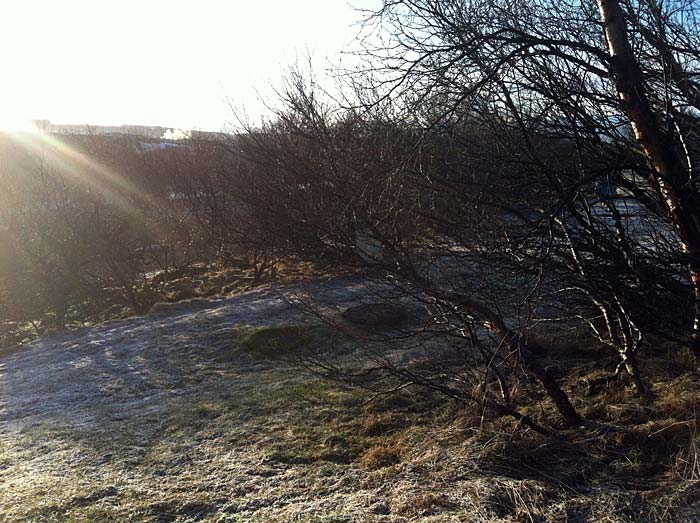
(681, 198)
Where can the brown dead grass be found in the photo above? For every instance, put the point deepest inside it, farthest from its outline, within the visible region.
(381, 455)
(421, 503)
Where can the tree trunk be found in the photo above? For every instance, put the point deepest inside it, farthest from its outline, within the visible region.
(554, 391)
(682, 199)
(529, 361)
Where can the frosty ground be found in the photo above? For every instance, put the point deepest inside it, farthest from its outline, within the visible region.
(166, 418)
(163, 418)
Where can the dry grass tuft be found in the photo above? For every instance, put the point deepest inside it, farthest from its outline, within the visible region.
(421, 503)
(381, 424)
(380, 456)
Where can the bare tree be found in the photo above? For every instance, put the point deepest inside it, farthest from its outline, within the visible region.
(517, 164)
(353, 189)
(612, 85)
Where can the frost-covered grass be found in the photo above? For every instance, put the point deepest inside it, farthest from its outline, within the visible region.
(170, 418)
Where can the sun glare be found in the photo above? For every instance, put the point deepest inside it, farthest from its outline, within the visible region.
(17, 124)
(179, 64)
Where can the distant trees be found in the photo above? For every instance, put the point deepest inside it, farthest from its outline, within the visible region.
(86, 221)
(41, 266)
(96, 223)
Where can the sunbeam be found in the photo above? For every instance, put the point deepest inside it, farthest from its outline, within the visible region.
(59, 158)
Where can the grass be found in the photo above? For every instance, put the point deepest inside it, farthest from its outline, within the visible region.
(271, 444)
(384, 423)
(415, 457)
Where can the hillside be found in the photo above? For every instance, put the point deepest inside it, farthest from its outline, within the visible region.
(168, 417)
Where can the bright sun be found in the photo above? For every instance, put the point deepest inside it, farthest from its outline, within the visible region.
(17, 124)
(158, 62)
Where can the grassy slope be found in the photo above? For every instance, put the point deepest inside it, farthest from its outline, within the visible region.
(235, 436)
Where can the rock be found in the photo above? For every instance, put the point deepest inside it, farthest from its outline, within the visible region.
(378, 316)
(381, 508)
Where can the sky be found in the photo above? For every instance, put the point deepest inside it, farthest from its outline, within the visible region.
(176, 63)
